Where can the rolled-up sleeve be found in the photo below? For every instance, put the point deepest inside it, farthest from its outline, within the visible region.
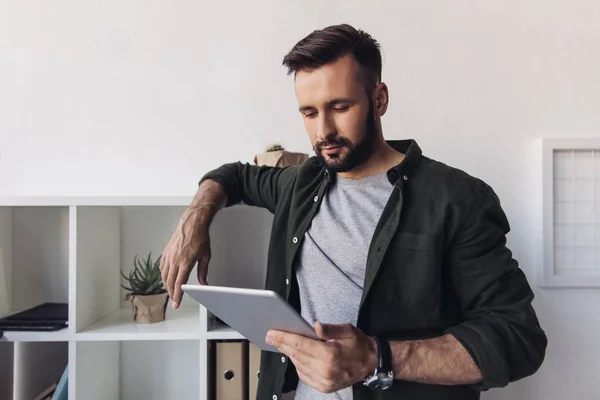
(254, 185)
(500, 329)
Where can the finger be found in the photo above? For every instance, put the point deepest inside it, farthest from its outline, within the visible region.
(301, 374)
(162, 262)
(293, 342)
(171, 278)
(299, 357)
(335, 331)
(304, 374)
(203, 269)
(182, 277)
(310, 377)
(164, 273)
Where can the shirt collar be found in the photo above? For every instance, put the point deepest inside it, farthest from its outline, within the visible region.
(407, 167)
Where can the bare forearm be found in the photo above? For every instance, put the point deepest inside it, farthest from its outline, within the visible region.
(442, 361)
(208, 200)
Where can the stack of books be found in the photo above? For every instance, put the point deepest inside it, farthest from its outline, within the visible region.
(43, 317)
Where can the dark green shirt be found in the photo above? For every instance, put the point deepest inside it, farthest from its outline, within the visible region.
(437, 264)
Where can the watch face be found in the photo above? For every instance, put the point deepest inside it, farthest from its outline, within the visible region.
(381, 381)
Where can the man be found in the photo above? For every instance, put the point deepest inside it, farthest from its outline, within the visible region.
(398, 260)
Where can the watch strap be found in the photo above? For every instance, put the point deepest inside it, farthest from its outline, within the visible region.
(384, 355)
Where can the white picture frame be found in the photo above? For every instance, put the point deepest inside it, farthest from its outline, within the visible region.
(570, 237)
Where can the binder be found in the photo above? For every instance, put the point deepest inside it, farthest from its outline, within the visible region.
(231, 378)
(254, 353)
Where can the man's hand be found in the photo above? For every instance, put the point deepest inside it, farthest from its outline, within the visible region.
(345, 356)
(190, 243)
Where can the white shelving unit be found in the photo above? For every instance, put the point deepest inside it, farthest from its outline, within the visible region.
(72, 250)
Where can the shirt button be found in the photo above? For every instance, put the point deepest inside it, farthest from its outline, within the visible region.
(283, 359)
(393, 175)
(274, 397)
(405, 177)
(295, 239)
(316, 198)
(287, 281)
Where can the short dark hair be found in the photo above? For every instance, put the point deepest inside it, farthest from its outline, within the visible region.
(333, 42)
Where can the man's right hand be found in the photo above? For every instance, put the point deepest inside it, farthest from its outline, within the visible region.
(190, 243)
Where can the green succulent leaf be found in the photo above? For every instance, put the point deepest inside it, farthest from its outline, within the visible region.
(145, 277)
(125, 276)
(154, 287)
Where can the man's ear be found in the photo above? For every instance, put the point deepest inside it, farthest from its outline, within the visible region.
(382, 98)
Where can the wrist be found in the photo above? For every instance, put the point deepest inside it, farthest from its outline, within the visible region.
(402, 351)
(204, 216)
(382, 375)
(196, 220)
(372, 358)
(209, 199)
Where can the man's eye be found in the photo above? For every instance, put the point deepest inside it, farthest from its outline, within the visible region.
(310, 115)
(341, 108)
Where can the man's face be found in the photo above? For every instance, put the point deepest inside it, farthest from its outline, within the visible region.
(337, 114)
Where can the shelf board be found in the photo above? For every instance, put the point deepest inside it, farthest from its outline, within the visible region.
(63, 335)
(181, 324)
(96, 201)
(29, 336)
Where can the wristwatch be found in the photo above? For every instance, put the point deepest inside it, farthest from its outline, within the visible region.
(383, 377)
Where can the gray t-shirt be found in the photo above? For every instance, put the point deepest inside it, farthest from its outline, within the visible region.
(332, 260)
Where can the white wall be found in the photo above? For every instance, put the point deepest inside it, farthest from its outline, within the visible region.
(143, 97)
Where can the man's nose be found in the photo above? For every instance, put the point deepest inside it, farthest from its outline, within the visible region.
(325, 128)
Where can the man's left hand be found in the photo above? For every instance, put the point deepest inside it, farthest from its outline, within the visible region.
(345, 355)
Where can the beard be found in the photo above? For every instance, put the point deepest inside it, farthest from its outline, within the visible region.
(356, 153)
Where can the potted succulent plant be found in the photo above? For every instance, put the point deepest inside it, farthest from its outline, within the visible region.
(146, 291)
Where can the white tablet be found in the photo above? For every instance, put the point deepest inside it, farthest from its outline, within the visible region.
(251, 312)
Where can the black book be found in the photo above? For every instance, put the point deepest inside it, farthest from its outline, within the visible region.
(43, 317)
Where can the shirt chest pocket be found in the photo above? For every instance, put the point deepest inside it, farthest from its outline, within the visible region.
(413, 269)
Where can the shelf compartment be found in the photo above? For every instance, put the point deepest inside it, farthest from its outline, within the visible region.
(150, 370)
(36, 366)
(108, 239)
(34, 262)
